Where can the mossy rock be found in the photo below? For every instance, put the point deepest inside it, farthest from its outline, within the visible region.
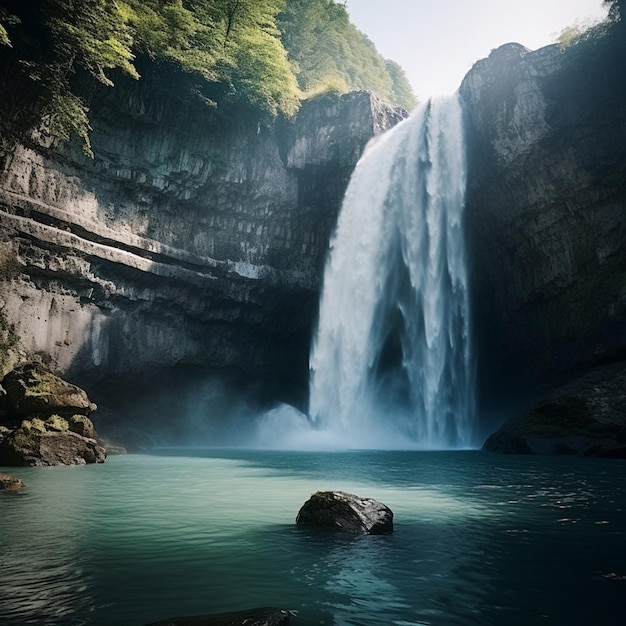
(52, 442)
(34, 425)
(10, 484)
(34, 391)
(56, 423)
(82, 425)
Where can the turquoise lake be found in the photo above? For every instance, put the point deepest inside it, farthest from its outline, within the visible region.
(479, 538)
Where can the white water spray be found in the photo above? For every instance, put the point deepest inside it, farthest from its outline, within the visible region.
(392, 361)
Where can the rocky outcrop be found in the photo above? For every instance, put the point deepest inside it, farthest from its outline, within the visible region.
(45, 421)
(195, 241)
(55, 441)
(546, 215)
(31, 390)
(338, 510)
(190, 239)
(252, 617)
(585, 417)
(10, 484)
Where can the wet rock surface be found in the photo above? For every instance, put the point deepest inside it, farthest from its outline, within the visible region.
(341, 511)
(252, 617)
(585, 417)
(10, 484)
(546, 225)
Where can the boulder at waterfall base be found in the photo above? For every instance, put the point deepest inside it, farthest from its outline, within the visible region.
(10, 484)
(55, 441)
(585, 417)
(33, 391)
(346, 512)
(46, 421)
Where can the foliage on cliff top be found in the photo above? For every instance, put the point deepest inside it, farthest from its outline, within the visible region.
(587, 30)
(262, 53)
(329, 50)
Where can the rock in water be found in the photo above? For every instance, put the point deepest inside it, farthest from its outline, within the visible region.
(10, 483)
(346, 512)
(48, 420)
(52, 442)
(587, 417)
(252, 617)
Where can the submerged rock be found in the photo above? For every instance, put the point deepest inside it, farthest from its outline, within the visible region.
(10, 483)
(253, 617)
(114, 450)
(346, 512)
(585, 417)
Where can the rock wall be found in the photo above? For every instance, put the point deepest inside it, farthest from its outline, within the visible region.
(546, 213)
(189, 239)
(198, 240)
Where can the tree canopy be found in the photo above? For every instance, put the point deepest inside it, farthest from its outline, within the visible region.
(331, 53)
(269, 54)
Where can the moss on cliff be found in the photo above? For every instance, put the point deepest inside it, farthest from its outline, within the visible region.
(8, 341)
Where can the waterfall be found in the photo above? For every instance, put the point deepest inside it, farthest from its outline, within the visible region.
(392, 359)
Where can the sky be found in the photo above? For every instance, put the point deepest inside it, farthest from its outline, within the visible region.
(438, 41)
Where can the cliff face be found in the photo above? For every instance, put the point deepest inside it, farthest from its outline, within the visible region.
(189, 239)
(198, 240)
(546, 213)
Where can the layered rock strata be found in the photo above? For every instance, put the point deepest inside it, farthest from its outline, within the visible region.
(189, 239)
(546, 215)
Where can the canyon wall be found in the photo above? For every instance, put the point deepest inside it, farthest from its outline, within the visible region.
(546, 214)
(190, 239)
(195, 240)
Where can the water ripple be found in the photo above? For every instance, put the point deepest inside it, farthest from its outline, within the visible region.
(479, 539)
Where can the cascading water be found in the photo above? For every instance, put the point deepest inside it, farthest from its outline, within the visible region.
(392, 362)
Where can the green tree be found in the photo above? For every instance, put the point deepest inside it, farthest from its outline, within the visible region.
(402, 92)
(93, 35)
(232, 45)
(329, 51)
(240, 51)
(253, 61)
(172, 31)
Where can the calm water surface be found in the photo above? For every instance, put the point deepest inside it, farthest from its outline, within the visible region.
(479, 539)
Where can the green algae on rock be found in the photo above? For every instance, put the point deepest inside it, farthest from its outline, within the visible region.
(46, 421)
